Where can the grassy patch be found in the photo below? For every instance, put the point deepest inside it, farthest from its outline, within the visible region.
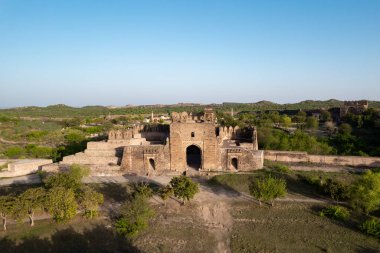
(176, 231)
(293, 228)
(75, 236)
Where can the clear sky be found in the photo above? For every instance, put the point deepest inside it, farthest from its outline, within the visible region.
(92, 52)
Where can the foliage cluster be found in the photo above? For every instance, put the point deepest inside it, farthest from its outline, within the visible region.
(267, 188)
(335, 212)
(371, 227)
(273, 139)
(135, 213)
(62, 195)
(365, 192)
(184, 188)
(277, 166)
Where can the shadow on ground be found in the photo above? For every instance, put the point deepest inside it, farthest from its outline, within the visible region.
(98, 239)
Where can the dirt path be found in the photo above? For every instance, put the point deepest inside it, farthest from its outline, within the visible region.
(214, 209)
(12, 142)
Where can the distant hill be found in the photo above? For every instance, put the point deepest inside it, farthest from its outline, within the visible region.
(64, 111)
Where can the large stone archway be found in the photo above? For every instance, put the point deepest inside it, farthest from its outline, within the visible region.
(194, 157)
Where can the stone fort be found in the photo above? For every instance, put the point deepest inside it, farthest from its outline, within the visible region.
(191, 143)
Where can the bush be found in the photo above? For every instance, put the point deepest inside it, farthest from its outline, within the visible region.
(336, 190)
(72, 179)
(38, 151)
(366, 192)
(329, 187)
(135, 215)
(278, 167)
(371, 227)
(36, 135)
(142, 190)
(335, 212)
(14, 152)
(165, 193)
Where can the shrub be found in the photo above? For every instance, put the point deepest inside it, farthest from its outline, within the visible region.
(371, 227)
(142, 190)
(38, 151)
(165, 192)
(366, 192)
(72, 179)
(329, 187)
(14, 152)
(336, 190)
(279, 167)
(335, 212)
(135, 215)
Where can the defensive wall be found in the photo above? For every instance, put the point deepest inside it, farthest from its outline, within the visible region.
(304, 157)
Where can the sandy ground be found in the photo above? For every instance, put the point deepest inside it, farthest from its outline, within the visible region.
(212, 204)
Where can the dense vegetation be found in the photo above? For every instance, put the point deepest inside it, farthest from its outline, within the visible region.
(57, 131)
(62, 195)
(64, 111)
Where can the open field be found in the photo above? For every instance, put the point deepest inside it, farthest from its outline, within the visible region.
(294, 227)
(219, 219)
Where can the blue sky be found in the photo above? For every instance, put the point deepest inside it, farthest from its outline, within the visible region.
(92, 52)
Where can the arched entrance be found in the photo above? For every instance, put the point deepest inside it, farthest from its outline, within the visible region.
(194, 157)
(234, 163)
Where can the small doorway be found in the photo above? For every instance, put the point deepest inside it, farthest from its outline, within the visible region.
(194, 157)
(152, 164)
(234, 163)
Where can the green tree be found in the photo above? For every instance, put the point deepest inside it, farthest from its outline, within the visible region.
(71, 179)
(165, 193)
(267, 188)
(312, 123)
(345, 129)
(326, 116)
(286, 121)
(32, 200)
(300, 117)
(184, 188)
(7, 208)
(89, 201)
(61, 203)
(135, 215)
(366, 192)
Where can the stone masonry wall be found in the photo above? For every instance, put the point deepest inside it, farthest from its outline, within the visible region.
(137, 159)
(296, 157)
(202, 135)
(247, 159)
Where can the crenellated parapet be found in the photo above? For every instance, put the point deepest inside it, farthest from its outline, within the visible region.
(208, 116)
(229, 132)
(136, 131)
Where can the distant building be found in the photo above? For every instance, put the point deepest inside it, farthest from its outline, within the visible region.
(355, 107)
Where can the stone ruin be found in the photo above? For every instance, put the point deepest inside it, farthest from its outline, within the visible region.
(355, 107)
(189, 144)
